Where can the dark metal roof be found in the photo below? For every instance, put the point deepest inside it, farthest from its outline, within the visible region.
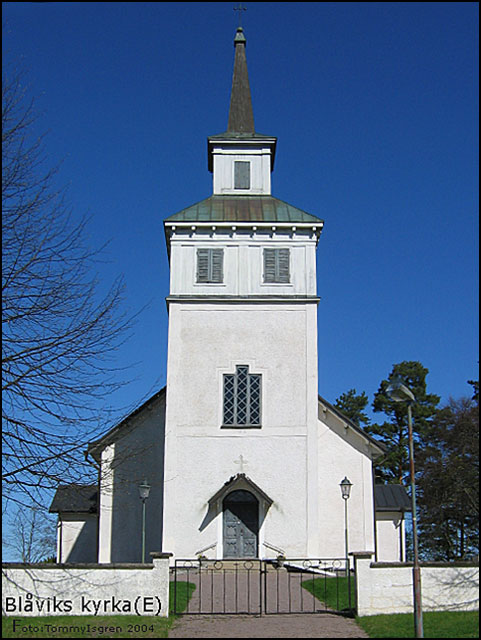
(241, 115)
(240, 126)
(243, 209)
(75, 498)
(391, 497)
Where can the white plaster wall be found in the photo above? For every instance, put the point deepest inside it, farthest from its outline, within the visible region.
(277, 341)
(138, 455)
(342, 452)
(35, 590)
(243, 262)
(388, 589)
(390, 528)
(77, 537)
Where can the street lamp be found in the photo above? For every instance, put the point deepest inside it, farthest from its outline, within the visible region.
(400, 393)
(144, 490)
(346, 492)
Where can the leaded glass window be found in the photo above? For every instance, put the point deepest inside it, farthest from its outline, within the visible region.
(242, 398)
(276, 265)
(210, 265)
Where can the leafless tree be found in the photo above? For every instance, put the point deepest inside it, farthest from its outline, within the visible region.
(60, 329)
(33, 536)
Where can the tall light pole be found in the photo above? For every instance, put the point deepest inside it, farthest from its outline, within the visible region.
(346, 492)
(400, 393)
(144, 490)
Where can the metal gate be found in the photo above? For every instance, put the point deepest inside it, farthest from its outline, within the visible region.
(310, 585)
(220, 586)
(257, 587)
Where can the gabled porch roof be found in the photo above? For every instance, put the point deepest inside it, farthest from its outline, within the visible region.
(239, 481)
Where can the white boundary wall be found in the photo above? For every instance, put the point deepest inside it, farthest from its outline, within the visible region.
(87, 589)
(385, 588)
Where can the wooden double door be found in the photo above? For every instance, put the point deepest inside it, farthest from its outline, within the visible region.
(241, 525)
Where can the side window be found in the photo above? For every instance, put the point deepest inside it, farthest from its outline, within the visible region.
(242, 175)
(276, 265)
(210, 265)
(242, 398)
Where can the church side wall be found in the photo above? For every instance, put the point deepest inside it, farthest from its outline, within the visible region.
(343, 453)
(138, 456)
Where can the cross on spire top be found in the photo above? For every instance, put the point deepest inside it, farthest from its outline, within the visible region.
(240, 8)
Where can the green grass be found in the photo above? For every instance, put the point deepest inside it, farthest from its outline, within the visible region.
(333, 592)
(437, 624)
(184, 594)
(97, 626)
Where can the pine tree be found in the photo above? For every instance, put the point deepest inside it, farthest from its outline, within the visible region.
(352, 406)
(393, 433)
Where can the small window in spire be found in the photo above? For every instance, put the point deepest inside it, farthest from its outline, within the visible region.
(242, 175)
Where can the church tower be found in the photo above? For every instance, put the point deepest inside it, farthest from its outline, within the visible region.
(241, 442)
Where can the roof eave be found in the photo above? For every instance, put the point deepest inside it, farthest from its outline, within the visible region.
(96, 447)
(248, 224)
(352, 425)
(240, 138)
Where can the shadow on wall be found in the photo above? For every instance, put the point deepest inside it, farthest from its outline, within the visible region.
(457, 587)
(84, 549)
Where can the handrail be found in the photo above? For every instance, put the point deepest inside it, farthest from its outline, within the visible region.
(211, 546)
(271, 546)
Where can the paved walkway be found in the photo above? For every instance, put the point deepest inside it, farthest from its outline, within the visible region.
(223, 588)
(322, 625)
(229, 591)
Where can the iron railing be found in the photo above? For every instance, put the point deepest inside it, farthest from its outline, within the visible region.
(256, 587)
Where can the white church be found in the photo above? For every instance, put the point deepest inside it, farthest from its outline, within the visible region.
(243, 458)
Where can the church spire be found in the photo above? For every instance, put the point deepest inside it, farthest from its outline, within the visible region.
(241, 115)
(241, 159)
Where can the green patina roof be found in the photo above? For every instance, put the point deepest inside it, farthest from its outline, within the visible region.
(243, 209)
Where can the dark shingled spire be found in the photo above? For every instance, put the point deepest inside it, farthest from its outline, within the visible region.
(241, 115)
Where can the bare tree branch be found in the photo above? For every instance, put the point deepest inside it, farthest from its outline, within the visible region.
(60, 331)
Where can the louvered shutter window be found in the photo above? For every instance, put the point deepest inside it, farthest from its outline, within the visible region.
(210, 265)
(276, 265)
(242, 398)
(242, 175)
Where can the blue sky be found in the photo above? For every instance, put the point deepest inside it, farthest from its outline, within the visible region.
(375, 106)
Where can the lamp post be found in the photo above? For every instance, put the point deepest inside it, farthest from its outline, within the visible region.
(400, 393)
(144, 490)
(346, 492)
